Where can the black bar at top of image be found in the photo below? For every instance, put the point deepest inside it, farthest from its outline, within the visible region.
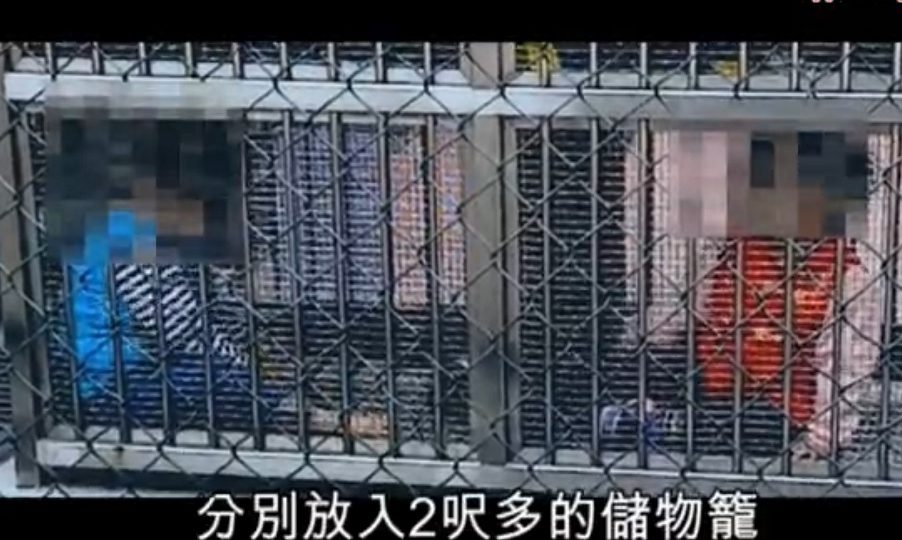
(177, 519)
(651, 20)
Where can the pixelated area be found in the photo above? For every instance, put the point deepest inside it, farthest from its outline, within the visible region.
(748, 182)
(129, 189)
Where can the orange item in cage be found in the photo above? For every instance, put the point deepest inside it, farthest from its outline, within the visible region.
(762, 320)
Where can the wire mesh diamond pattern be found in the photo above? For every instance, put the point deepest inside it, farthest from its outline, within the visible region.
(459, 271)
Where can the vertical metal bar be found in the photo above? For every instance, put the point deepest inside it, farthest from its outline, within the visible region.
(788, 348)
(644, 80)
(836, 368)
(544, 74)
(428, 63)
(14, 308)
(209, 373)
(388, 271)
(691, 361)
(379, 64)
(190, 60)
(744, 79)
(845, 72)
(693, 65)
(510, 221)
(50, 55)
(890, 271)
(547, 311)
(738, 379)
(646, 166)
(332, 57)
(143, 62)
(121, 377)
(97, 67)
(795, 82)
(237, 60)
(26, 201)
(897, 65)
(285, 61)
(594, 68)
(251, 295)
(338, 216)
(74, 368)
(433, 249)
(484, 170)
(163, 356)
(595, 180)
(296, 238)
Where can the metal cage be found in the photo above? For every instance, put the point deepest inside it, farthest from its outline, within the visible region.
(459, 273)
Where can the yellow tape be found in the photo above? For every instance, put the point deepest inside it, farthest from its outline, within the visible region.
(535, 53)
(727, 69)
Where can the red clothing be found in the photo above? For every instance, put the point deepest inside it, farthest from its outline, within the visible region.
(763, 309)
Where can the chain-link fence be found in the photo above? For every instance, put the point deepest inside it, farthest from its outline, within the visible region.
(459, 272)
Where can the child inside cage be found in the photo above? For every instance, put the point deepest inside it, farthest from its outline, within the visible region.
(744, 197)
(747, 333)
(119, 303)
(133, 208)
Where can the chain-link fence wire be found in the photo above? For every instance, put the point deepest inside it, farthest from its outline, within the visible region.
(456, 300)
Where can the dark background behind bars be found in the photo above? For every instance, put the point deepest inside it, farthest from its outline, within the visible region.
(557, 404)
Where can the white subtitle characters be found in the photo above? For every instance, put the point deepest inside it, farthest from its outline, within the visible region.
(733, 516)
(460, 513)
(277, 516)
(382, 521)
(423, 510)
(221, 508)
(679, 517)
(515, 516)
(478, 516)
(326, 518)
(572, 519)
(626, 518)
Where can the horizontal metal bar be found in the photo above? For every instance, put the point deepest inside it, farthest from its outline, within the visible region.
(771, 126)
(430, 473)
(161, 93)
(9, 489)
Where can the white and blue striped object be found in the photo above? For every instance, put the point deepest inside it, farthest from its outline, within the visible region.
(139, 294)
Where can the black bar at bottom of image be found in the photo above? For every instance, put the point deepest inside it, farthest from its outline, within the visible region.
(467, 515)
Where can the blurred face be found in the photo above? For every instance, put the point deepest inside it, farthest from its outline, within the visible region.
(173, 216)
(171, 185)
(735, 183)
